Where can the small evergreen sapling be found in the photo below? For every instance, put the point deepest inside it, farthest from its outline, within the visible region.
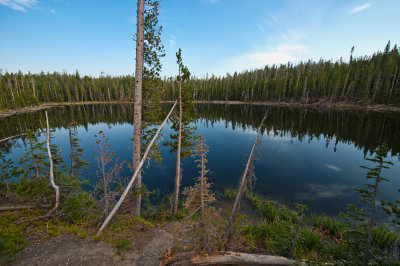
(361, 238)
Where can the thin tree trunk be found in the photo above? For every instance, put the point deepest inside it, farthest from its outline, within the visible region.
(129, 186)
(393, 83)
(105, 183)
(242, 186)
(56, 188)
(202, 183)
(137, 119)
(372, 220)
(71, 155)
(178, 152)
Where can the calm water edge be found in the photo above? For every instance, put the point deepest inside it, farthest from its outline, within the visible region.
(308, 156)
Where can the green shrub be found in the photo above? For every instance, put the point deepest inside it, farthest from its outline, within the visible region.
(76, 208)
(10, 244)
(309, 240)
(124, 244)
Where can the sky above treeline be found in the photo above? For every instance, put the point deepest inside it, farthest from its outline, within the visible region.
(216, 36)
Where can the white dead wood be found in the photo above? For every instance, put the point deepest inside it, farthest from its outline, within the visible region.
(54, 186)
(138, 169)
(229, 258)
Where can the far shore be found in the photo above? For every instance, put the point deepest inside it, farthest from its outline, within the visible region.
(316, 105)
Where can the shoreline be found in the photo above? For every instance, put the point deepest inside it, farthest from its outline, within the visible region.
(315, 105)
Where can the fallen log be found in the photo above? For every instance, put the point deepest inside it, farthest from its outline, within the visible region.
(229, 258)
(16, 207)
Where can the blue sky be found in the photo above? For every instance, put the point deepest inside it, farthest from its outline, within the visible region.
(216, 36)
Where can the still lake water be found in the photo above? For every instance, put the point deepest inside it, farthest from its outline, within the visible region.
(309, 156)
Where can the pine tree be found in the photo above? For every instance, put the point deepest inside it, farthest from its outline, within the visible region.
(361, 238)
(76, 161)
(185, 132)
(199, 196)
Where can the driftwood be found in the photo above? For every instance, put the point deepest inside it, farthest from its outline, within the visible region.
(138, 169)
(228, 258)
(19, 135)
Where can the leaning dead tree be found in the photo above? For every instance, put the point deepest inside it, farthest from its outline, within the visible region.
(246, 178)
(137, 170)
(53, 184)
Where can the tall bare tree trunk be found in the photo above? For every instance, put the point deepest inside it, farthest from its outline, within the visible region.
(56, 188)
(242, 186)
(137, 119)
(178, 151)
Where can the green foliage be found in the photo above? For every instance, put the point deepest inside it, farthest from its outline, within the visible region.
(270, 210)
(153, 51)
(335, 228)
(10, 245)
(392, 208)
(366, 79)
(230, 194)
(360, 239)
(124, 244)
(309, 240)
(275, 237)
(76, 208)
(185, 104)
(76, 151)
(384, 238)
(6, 171)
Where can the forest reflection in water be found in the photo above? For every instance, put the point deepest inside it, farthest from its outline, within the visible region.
(308, 155)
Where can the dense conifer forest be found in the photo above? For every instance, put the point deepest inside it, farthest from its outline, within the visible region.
(364, 80)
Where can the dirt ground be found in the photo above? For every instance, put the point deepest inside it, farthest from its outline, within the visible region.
(147, 249)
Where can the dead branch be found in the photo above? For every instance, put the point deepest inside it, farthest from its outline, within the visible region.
(49, 215)
(138, 169)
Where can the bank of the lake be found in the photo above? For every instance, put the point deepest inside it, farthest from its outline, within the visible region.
(316, 105)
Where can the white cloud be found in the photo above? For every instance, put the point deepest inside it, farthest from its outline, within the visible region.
(172, 42)
(333, 167)
(53, 11)
(360, 8)
(19, 5)
(318, 191)
(211, 1)
(281, 54)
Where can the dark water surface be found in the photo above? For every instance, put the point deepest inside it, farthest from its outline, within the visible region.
(309, 156)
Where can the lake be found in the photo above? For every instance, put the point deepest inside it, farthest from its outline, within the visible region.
(307, 155)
